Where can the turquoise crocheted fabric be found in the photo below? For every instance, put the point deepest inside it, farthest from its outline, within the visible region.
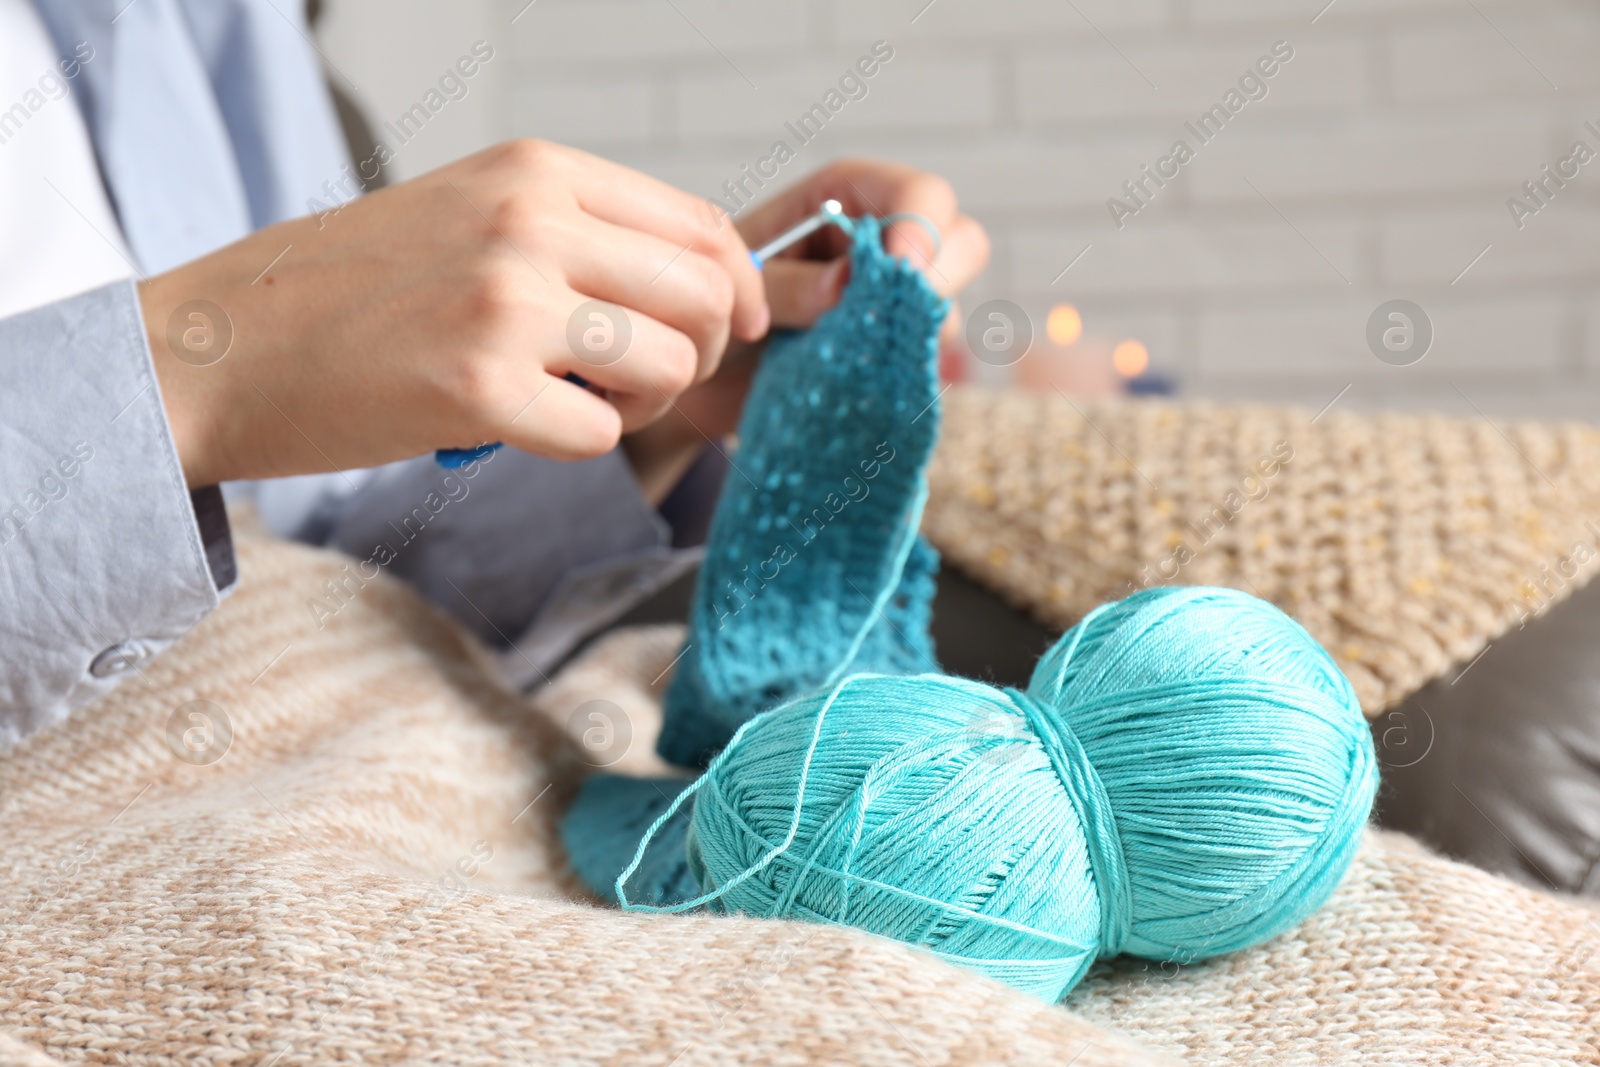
(813, 567)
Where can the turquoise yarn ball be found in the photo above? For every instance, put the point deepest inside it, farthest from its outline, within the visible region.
(1187, 774)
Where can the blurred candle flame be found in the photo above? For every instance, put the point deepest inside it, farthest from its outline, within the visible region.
(1065, 325)
(1130, 358)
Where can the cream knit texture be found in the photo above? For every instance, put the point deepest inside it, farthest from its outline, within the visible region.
(1403, 543)
(371, 872)
(304, 899)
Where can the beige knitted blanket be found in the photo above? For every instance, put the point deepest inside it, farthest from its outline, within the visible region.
(1404, 543)
(350, 854)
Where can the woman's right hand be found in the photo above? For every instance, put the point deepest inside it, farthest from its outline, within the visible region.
(445, 312)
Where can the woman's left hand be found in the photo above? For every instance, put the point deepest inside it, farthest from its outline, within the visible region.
(807, 279)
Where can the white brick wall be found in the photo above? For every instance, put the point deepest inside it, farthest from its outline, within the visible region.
(1377, 166)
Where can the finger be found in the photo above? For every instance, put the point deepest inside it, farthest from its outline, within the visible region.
(950, 330)
(863, 187)
(560, 420)
(870, 187)
(878, 188)
(627, 198)
(799, 290)
(636, 359)
(789, 207)
(642, 272)
(963, 254)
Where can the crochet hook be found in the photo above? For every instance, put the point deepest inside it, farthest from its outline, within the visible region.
(831, 212)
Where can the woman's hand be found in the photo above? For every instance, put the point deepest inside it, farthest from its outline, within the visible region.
(445, 311)
(807, 280)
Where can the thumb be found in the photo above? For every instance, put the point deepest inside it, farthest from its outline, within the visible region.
(800, 290)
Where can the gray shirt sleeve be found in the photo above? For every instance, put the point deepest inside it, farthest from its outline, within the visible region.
(105, 555)
(531, 554)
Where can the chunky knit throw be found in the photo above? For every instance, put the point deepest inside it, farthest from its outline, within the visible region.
(370, 873)
(1404, 543)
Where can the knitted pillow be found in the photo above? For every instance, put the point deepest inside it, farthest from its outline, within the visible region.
(1403, 543)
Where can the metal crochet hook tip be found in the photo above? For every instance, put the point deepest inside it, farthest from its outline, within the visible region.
(831, 212)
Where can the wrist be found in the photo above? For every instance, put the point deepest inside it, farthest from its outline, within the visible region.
(187, 338)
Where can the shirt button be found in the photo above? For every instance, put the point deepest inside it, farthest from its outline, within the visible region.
(118, 659)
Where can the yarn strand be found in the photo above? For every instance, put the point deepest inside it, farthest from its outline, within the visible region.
(794, 826)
